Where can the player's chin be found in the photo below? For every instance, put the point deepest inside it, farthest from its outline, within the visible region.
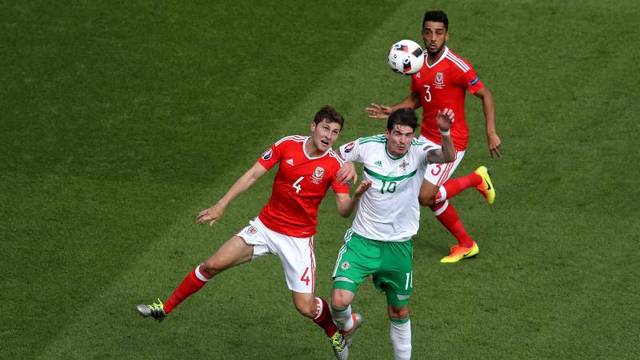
(324, 145)
(433, 49)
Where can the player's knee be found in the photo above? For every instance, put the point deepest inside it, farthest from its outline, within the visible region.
(428, 193)
(339, 300)
(396, 313)
(305, 307)
(212, 266)
(426, 199)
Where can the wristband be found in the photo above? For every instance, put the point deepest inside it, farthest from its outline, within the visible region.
(445, 133)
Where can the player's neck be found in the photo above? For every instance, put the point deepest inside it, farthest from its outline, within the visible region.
(395, 155)
(310, 148)
(433, 58)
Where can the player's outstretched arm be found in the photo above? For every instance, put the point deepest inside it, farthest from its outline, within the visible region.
(212, 214)
(447, 152)
(346, 204)
(377, 111)
(489, 109)
(347, 172)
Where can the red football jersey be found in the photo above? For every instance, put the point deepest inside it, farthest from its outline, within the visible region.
(299, 186)
(443, 85)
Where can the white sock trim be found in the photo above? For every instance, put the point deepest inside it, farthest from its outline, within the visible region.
(443, 208)
(343, 318)
(319, 308)
(442, 195)
(200, 275)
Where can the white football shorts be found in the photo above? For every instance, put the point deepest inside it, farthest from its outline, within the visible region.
(296, 254)
(437, 174)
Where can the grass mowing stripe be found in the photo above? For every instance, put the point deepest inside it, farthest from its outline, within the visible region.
(555, 220)
(114, 298)
(131, 128)
(555, 276)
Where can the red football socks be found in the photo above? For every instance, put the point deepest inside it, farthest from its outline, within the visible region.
(448, 217)
(193, 282)
(323, 318)
(457, 185)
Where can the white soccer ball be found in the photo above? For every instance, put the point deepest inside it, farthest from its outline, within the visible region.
(406, 57)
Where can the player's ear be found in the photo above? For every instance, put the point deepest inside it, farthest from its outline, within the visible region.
(312, 127)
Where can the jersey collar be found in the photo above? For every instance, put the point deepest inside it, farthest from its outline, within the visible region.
(444, 55)
(304, 150)
(394, 157)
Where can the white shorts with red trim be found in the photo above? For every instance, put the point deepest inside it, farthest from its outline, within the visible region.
(296, 254)
(437, 174)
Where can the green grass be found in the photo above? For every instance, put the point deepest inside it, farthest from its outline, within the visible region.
(120, 121)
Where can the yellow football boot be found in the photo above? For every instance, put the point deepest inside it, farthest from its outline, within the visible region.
(458, 253)
(486, 186)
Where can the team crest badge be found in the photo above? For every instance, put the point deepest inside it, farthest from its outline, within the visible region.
(267, 154)
(439, 80)
(252, 230)
(345, 265)
(317, 176)
(404, 165)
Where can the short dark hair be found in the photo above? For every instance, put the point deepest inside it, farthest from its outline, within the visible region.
(404, 116)
(436, 16)
(329, 114)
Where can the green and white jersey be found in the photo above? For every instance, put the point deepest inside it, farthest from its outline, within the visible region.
(389, 210)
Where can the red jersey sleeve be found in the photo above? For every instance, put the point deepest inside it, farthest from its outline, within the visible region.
(271, 156)
(414, 87)
(338, 187)
(471, 80)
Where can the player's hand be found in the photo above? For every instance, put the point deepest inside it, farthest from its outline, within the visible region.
(210, 215)
(347, 173)
(493, 140)
(445, 119)
(377, 111)
(362, 188)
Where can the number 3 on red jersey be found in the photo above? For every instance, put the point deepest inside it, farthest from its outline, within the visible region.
(427, 93)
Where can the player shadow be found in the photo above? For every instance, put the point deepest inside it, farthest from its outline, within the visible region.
(431, 244)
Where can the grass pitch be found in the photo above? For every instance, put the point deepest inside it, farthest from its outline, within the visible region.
(120, 121)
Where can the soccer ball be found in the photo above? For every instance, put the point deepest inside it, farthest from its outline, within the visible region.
(406, 57)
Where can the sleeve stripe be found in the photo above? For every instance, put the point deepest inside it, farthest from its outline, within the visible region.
(376, 138)
(456, 60)
(297, 138)
(333, 154)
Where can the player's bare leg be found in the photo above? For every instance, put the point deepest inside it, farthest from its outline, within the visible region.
(233, 252)
(347, 321)
(318, 310)
(448, 217)
(341, 300)
(428, 192)
(400, 332)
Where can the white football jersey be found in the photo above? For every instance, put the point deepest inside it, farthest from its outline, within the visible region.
(389, 210)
